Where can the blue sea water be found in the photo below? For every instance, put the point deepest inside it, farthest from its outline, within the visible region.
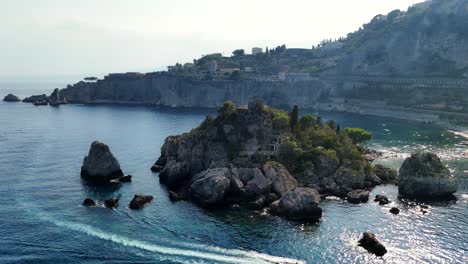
(42, 220)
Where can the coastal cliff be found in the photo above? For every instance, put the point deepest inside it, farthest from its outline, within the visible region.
(169, 90)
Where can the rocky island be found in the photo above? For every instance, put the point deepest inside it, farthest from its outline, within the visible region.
(424, 176)
(257, 156)
(11, 98)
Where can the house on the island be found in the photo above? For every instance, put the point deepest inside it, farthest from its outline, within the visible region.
(248, 69)
(294, 76)
(256, 50)
(213, 66)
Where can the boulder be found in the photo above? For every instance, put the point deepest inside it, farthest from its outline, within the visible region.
(346, 180)
(210, 187)
(371, 244)
(282, 181)
(256, 185)
(387, 175)
(89, 202)
(100, 166)
(112, 202)
(11, 98)
(358, 196)
(139, 201)
(394, 210)
(174, 174)
(424, 176)
(34, 98)
(300, 204)
(383, 200)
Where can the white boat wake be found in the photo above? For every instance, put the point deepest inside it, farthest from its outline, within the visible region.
(193, 251)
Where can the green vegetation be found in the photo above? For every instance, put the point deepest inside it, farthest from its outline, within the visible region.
(310, 140)
(358, 135)
(227, 109)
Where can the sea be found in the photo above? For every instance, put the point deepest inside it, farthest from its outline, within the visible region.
(41, 192)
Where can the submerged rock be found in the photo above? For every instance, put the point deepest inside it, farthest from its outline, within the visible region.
(394, 210)
(139, 201)
(300, 204)
(424, 176)
(112, 202)
(127, 178)
(371, 244)
(89, 202)
(100, 166)
(358, 196)
(11, 98)
(175, 197)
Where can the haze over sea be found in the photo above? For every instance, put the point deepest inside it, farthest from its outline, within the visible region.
(42, 220)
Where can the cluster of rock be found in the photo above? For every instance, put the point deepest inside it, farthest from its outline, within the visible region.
(424, 176)
(42, 99)
(330, 177)
(11, 98)
(101, 167)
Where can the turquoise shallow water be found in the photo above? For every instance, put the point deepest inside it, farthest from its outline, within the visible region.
(42, 220)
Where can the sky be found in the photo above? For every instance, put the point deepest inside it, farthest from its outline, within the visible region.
(65, 38)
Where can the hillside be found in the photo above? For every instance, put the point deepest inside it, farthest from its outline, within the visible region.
(430, 39)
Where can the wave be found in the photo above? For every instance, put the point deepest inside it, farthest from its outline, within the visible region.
(197, 251)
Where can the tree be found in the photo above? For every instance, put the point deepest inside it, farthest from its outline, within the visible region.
(331, 124)
(358, 135)
(294, 118)
(319, 121)
(238, 53)
(227, 108)
(307, 121)
(235, 75)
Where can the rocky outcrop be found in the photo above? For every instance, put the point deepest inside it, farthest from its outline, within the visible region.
(300, 204)
(211, 186)
(282, 181)
(424, 176)
(387, 175)
(394, 210)
(55, 99)
(112, 202)
(139, 201)
(358, 196)
(371, 244)
(89, 202)
(36, 98)
(11, 98)
(100, 166)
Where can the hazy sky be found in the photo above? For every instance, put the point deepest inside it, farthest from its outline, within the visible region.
(92, 37)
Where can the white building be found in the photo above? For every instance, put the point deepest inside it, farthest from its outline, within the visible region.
(256, 50)
(213, 66)
(248, 69)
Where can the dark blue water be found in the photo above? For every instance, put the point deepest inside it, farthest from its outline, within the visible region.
(42, 220)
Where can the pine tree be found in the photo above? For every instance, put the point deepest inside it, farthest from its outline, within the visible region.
(294, 117)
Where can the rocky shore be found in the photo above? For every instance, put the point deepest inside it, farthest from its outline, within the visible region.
(254, 157)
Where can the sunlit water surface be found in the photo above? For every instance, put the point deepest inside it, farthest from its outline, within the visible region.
(42, 220)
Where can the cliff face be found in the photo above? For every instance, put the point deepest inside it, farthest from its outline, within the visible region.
(169, 90)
